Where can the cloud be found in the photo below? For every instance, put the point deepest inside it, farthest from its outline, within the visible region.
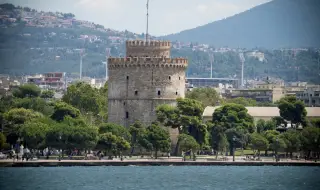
(202, 8)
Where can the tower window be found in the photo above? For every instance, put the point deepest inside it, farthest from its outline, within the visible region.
(136, 92)
(124, 103)
(127, 77)
(127, 115)
(176, 93)
(159, 92)
(169, 77)
(179, 78)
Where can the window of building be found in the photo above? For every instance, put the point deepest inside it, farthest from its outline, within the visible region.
(159, 92)
(136, 92)
(169, 77)
(127, 115)
(124, 103)
(176, 93)
(127, 77)
(179, 78)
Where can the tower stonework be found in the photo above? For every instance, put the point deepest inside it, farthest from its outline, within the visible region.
(146, 78)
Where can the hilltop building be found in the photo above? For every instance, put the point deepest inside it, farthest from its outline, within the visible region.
(144, 79)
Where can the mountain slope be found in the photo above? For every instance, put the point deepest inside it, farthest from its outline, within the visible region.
(277, 24)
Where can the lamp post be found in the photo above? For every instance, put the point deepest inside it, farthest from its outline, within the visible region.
(277, 144)
(233, 148)
(316, 140)
(60, 149)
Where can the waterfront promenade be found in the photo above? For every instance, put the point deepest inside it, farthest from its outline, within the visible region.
(153, 162)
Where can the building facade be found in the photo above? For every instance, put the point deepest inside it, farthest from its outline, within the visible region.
(144, 79)
(310, 96)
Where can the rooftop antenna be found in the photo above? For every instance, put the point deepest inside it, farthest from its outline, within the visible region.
(211, 61)
(242, 59)
(147, 33)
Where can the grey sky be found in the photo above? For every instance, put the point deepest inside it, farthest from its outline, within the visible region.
(166, 16)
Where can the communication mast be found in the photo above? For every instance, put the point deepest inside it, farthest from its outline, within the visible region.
(147, 33)
(81, 55)
(107, 56)
(242, 59)
(211, 56)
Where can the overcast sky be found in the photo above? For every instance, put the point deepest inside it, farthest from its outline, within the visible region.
(166, 16)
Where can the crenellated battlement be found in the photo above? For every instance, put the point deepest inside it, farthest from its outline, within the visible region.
(140, 48)
(146, 61)
(141, 43)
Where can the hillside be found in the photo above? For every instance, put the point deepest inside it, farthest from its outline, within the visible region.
(277, 24)
(35, 42)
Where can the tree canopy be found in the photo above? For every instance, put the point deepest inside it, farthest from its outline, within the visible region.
(207, 96)
(293, 110)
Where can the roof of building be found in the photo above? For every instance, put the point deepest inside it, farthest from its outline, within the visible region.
(264, 111)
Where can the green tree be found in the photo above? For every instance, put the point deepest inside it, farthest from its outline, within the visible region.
(36, 104)
(218, 139)
(34, 134)
(122, 145)
(310, 139)
(265, 125)
(27, 91)
(242, 101)
(61, 110)
(186, 117)
(278, 144)
(187, 142)
(136, 131)
(156, 139)
(83, 97)
(115, 129)
(258, 143)
(72, 133)
(107, 142)
(207, 96)
(3, 141)
(233, 116)
(292, 139)
(169, 116)
(14, 119)
(48, 94)
(270, 135)
(293, 110)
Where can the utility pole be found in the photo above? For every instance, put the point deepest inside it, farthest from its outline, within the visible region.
(107, 55)
(81, 54)
(242, 59)
(211, 61)
(147, 33)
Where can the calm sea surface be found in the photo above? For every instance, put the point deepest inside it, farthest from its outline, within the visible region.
(156, 178)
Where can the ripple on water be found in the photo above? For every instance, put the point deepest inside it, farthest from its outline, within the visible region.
(161, 177)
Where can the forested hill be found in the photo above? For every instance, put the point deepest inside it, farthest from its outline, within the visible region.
(277, 24)
(36, 42)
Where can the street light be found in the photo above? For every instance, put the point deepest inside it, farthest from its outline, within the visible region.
(233, 148)
(60, 149)
(277, 144)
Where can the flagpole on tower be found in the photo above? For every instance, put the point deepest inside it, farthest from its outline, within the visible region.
(147, 33)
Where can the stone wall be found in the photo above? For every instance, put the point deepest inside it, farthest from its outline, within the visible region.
(135, 92)
(138, 48)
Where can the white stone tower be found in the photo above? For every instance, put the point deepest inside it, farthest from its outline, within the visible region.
(144, 79)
